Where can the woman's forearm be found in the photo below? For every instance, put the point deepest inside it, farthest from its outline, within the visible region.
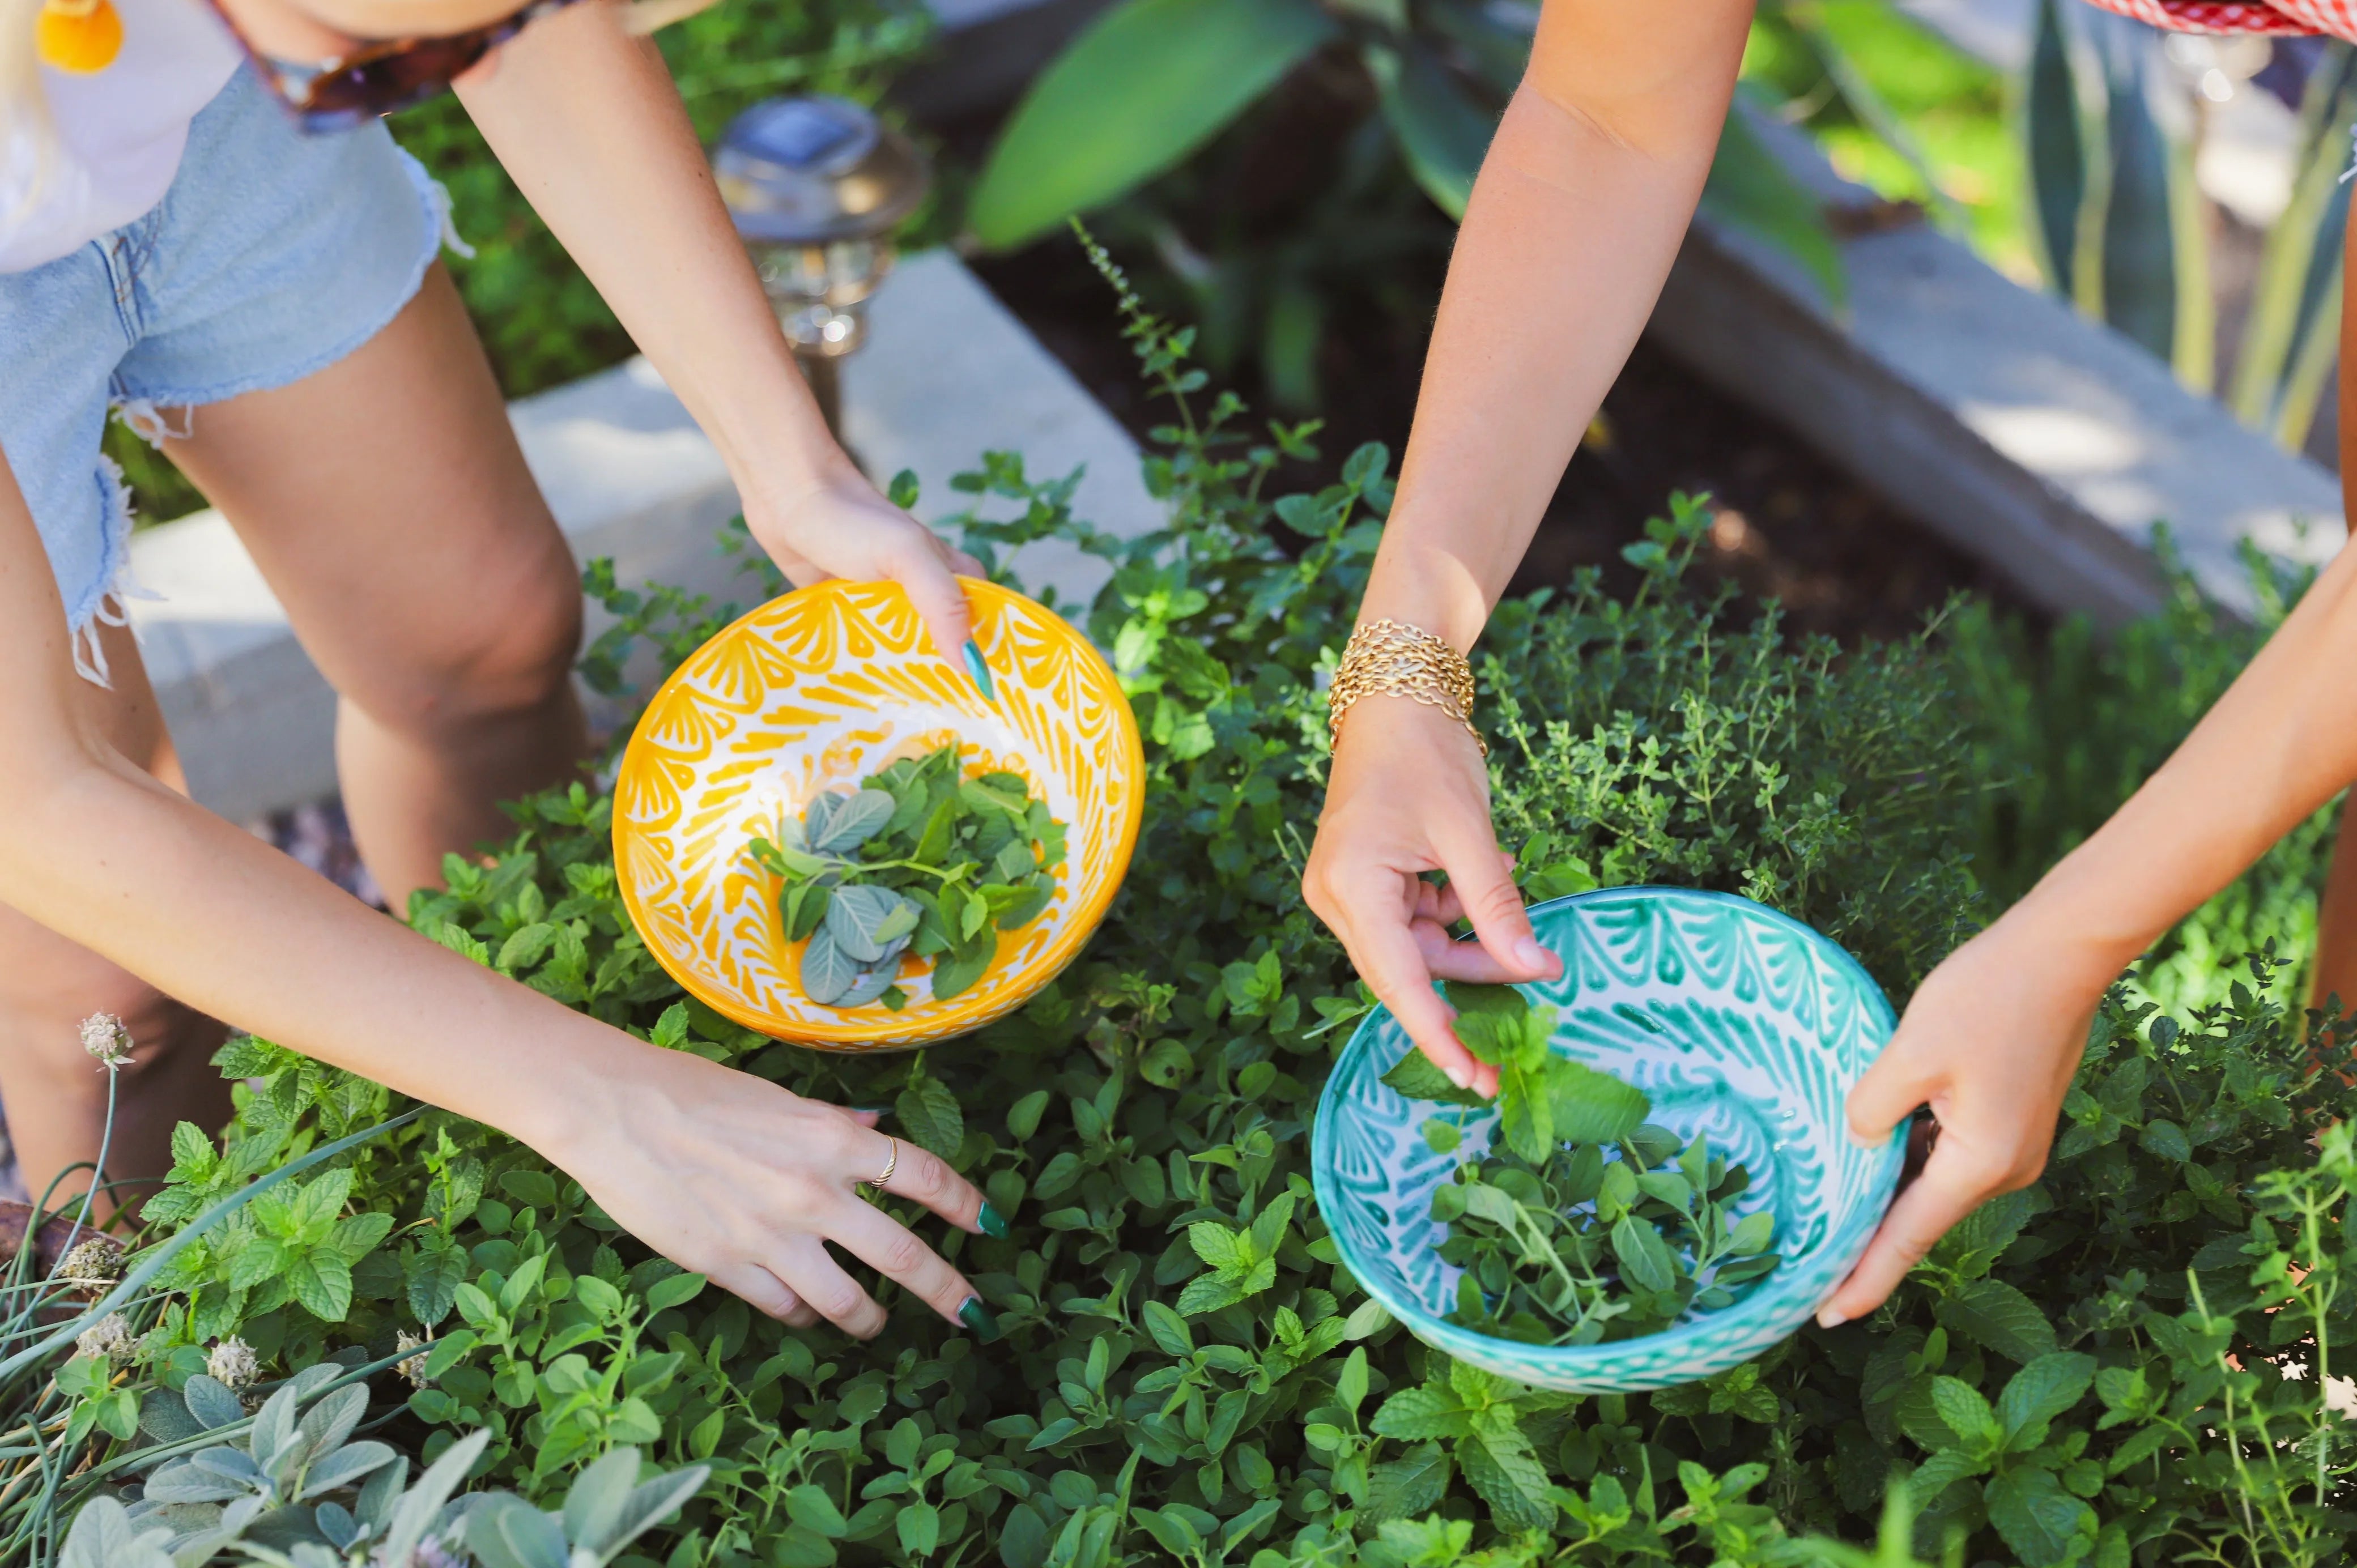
(212, 916)
(2278, 744)
(587, 122)
(1577, 214)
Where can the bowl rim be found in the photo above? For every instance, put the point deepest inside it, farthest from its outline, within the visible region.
(1572, 1361)
(908, 1029)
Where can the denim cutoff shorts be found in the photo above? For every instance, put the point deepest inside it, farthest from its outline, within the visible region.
(273, 254)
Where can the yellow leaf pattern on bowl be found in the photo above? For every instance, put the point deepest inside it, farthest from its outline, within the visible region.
(817, 691)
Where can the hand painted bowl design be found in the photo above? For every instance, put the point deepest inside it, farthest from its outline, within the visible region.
(1738, 1022)
(816, 691)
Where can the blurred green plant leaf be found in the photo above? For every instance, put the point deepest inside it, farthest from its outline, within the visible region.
(1442, 133)
(1145, 85)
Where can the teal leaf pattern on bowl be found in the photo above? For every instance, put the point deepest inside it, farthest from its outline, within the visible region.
(1740, 1022)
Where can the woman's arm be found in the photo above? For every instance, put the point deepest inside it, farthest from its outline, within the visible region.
(1992, 1039)
(587, 121)
(725, 1173)
(1576, 216)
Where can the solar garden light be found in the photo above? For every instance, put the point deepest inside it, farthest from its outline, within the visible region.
(817, 185)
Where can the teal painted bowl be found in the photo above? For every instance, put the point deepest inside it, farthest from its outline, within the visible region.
(1740, 1022)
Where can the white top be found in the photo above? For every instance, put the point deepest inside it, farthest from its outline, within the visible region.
(121, 132)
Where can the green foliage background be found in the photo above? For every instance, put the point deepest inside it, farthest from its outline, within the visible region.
(2118, 1366)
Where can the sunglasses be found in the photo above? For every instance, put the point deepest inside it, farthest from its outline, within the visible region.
(380, 79)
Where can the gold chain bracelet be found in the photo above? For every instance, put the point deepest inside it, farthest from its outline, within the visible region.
(1384, 658)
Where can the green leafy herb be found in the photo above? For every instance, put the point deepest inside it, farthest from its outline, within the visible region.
(920, 861)
(1890, 794)
(1562, 1243)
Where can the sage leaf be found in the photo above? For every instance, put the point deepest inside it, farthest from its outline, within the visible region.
(856, 919)
(852, 823)
(828, 972)
(867, 986)
(819, 816)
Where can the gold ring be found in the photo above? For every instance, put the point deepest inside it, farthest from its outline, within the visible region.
(891, 1164)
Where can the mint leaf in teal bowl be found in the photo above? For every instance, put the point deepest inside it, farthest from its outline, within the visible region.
(1740, 1029)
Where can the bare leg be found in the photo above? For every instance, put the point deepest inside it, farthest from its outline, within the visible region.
(55, 1095)
(2335, 970)
(388, 504)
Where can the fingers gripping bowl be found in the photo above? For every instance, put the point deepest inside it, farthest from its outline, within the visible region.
(1740, 1023)
(819, 691)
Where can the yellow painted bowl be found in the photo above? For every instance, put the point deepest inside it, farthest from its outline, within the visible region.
(817, 691)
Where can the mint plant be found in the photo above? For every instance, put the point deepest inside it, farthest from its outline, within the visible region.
(1585, 1222)
(918, 860)
(1186, 1374)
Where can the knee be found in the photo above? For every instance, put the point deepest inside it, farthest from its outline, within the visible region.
(513, 655)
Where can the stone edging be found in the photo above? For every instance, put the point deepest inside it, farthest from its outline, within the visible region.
(2012, 426)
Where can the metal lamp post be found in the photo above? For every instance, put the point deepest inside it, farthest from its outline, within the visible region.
(815, 185)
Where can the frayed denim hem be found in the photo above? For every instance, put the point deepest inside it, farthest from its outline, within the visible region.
(104, 605)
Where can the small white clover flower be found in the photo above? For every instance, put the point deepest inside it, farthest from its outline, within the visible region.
(233, 1363)
(412, 1366)
(94, 1261)
(108, 1339)
(105, 1038)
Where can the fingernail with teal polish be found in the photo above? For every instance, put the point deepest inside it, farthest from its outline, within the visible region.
(976, 1317)
(870, 1110)
(993, 1223)
(979, 671)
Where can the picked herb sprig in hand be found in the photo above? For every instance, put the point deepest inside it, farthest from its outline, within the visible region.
(919, 859)
(1560, 1245)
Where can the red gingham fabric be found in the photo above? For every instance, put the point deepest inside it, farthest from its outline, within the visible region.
(2336, 16)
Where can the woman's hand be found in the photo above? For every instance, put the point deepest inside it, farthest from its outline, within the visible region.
(1990, 1043)
(1408, 794)
(839, 527)
(735, 1179)
(586, 120)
